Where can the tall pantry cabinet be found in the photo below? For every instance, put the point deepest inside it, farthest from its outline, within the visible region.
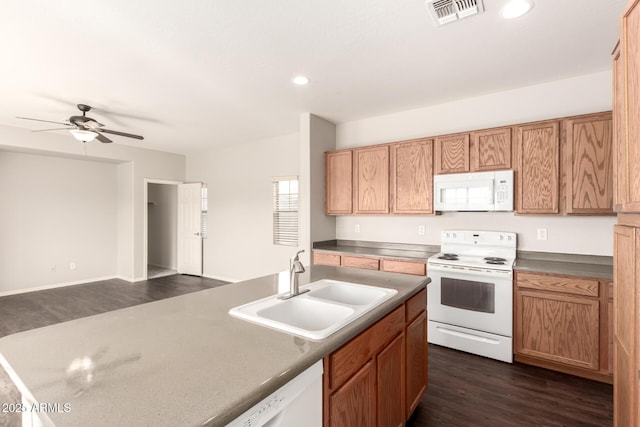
(626, 253)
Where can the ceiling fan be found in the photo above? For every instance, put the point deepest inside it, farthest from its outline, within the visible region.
(85, 128)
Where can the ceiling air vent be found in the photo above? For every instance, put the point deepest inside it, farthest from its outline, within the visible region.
(446, 11)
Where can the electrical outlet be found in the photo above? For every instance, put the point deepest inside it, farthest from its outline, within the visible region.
(52, 267)
(357, 228)
(542, 234)
(72, 266)
(421, 230)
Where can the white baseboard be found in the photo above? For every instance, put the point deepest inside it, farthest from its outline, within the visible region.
(57, 285)
(126, 278)
(224, 279)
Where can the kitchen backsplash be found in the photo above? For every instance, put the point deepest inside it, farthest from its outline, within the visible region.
(565, 234)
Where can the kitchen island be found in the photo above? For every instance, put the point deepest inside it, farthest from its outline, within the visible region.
(180, 361)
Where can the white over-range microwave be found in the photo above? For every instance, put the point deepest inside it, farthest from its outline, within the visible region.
(477, 191)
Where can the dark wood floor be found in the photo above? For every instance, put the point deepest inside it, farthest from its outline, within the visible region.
(464, 390)
(468, 390)
(32, 310)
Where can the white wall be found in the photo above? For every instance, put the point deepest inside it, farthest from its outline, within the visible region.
(55, 211)
(162, 225)
(580, 235)
(140, 163)
(317, 135)
(239, 179)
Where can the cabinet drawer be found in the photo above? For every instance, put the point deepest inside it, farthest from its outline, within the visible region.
(321, 258)
(416, 305)
(406, 267)
(348, 359)
(360, 262)
(567, 285)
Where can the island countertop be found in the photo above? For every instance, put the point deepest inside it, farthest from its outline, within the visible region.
(179, 361)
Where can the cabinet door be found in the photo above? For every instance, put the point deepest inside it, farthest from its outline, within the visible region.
(412, 177)
(619, 131)
(588, 164)
(631, 63)
(371, 185)
(610, 335)
(416, 364)
(538, 158)
(320, 258)
(390, 389)
(626, 246)
(354, 403)
(491, 149)
(338, 182)
(365, 263)
(558, 327)
(452, 154)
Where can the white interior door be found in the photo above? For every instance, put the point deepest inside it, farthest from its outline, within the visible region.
(189, 239)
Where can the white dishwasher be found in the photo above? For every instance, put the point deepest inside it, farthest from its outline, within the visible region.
(298, 401)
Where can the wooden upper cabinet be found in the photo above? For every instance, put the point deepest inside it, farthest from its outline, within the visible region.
(491, 149)
(619, 131)
(338, 182)
(371, 180)
(451, 154)
(538, 157)
(412, 177)
(588, 164)
(630, 54)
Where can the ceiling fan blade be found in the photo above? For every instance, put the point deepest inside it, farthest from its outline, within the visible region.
(103, 139)
(46, 121)
(115, 132)
(47, 130)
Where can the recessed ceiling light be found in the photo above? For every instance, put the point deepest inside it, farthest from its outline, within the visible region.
(516, 8)
(300, 80)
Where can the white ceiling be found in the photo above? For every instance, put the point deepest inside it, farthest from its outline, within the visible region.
(196, 74)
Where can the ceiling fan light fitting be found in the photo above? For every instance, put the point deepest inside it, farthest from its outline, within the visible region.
(83, 135)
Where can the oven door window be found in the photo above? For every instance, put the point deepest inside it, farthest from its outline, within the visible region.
(468, 295)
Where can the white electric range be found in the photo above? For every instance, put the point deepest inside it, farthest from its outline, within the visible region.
(470, 298)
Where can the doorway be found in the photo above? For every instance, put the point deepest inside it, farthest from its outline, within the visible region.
(162, 229)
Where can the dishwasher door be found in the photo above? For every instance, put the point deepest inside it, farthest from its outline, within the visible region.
(298, 401)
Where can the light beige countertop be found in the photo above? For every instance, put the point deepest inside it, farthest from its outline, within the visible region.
(180, 361)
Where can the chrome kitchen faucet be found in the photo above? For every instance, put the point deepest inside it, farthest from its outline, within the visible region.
(295, 268)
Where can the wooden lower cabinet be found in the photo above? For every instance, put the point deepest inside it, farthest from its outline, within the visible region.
(626, 244)
(417, 268)
(365, 263)
(416, 362)
(378, 378)
(322, 258)
(390, 387)
(353, 404)
(558, 324)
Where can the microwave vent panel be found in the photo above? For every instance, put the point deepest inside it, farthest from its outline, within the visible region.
(445, 11)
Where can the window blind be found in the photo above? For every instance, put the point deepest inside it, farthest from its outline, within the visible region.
(285, 211)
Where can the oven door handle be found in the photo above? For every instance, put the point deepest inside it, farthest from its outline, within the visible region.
(470, 271)
(467, 336)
